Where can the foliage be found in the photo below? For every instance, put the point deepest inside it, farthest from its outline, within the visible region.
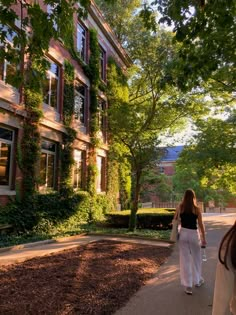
(119, 168)
(154, 106)
(67, 159)
(155, 183)
(46, 213)
(146, 218)
(120, 15)
(207, 31)
(208, 163)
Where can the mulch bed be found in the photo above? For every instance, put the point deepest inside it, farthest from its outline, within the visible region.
(93, 279)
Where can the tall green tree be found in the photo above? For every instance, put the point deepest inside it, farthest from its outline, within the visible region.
(153, 106)
(208, 164)
(207, 30)
(120, 15)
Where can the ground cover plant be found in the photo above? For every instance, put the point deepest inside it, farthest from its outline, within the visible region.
(93, 279)
(73, 226)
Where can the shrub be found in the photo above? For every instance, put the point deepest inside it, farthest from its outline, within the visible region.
(158, 219)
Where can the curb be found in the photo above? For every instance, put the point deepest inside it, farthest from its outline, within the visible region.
(38, 243)
(132, 236)
(73, 237)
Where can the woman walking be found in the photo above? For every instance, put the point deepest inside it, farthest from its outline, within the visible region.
(225, 283)
(190, 241)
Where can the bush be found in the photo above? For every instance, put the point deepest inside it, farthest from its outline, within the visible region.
(158, 219)
(46, 212)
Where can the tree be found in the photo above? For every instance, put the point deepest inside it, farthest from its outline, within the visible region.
(153, 106)
(207, 30)
(120, 15)
(208, 163)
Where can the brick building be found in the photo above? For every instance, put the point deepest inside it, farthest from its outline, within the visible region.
(12, 111)
(167, 162)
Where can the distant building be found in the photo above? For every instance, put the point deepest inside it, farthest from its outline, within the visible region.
(167, 162)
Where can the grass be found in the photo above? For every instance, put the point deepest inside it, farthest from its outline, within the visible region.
(11, 240)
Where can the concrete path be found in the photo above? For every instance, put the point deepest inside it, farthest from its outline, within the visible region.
(20, 253)
(163, 295)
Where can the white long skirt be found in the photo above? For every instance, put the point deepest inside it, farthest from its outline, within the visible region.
(190, 257)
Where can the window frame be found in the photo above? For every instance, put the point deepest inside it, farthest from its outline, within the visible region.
(84, 97)
(51, 153)
(102, 64)
(100, 181)
(11, 143)
(8, 41)
(58, 78)
(81, 162)
(84, 51)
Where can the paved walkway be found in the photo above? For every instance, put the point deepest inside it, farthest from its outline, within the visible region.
(20, 253)
(163, 294)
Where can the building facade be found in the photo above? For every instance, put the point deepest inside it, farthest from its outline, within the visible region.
(52, 128)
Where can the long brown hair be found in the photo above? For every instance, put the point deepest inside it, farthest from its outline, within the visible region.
(228, 248)
(189, 202)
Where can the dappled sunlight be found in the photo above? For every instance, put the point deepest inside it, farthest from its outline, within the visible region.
(105, 274)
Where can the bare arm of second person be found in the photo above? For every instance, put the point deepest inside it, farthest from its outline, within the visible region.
(201, 227)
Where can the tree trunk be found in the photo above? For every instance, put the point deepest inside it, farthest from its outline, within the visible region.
(134, 207)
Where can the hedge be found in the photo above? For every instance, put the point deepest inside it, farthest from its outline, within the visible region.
(161, 220)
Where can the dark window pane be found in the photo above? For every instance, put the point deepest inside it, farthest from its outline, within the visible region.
(43, 167)
(6, 134)
(49, 146)
(5, 153)
(50, 171)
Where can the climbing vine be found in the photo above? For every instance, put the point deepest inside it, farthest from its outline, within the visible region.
(119, 173)
(67, 159)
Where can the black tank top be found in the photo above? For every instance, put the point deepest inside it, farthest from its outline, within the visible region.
(188, 220)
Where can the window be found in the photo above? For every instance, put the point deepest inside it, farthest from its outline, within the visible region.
(8, 71)
(6, 150)
(161, 170)
(78, 168)
(80, 101)
(101, 174)
(51, 85)
(102, 68)
(81, 43)
(47, 164)
(101, 114)
(50, 9)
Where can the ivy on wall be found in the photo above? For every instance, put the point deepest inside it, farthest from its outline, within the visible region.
(30, 144)
(117, 92)
(92, 71)
(67, 159)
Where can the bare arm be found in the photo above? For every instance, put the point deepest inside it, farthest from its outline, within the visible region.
(201, 227)
(176, 215)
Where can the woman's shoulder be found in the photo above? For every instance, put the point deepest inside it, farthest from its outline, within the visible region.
(197, 211)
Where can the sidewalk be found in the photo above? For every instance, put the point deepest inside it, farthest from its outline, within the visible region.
(163, 294)
(20, 253)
